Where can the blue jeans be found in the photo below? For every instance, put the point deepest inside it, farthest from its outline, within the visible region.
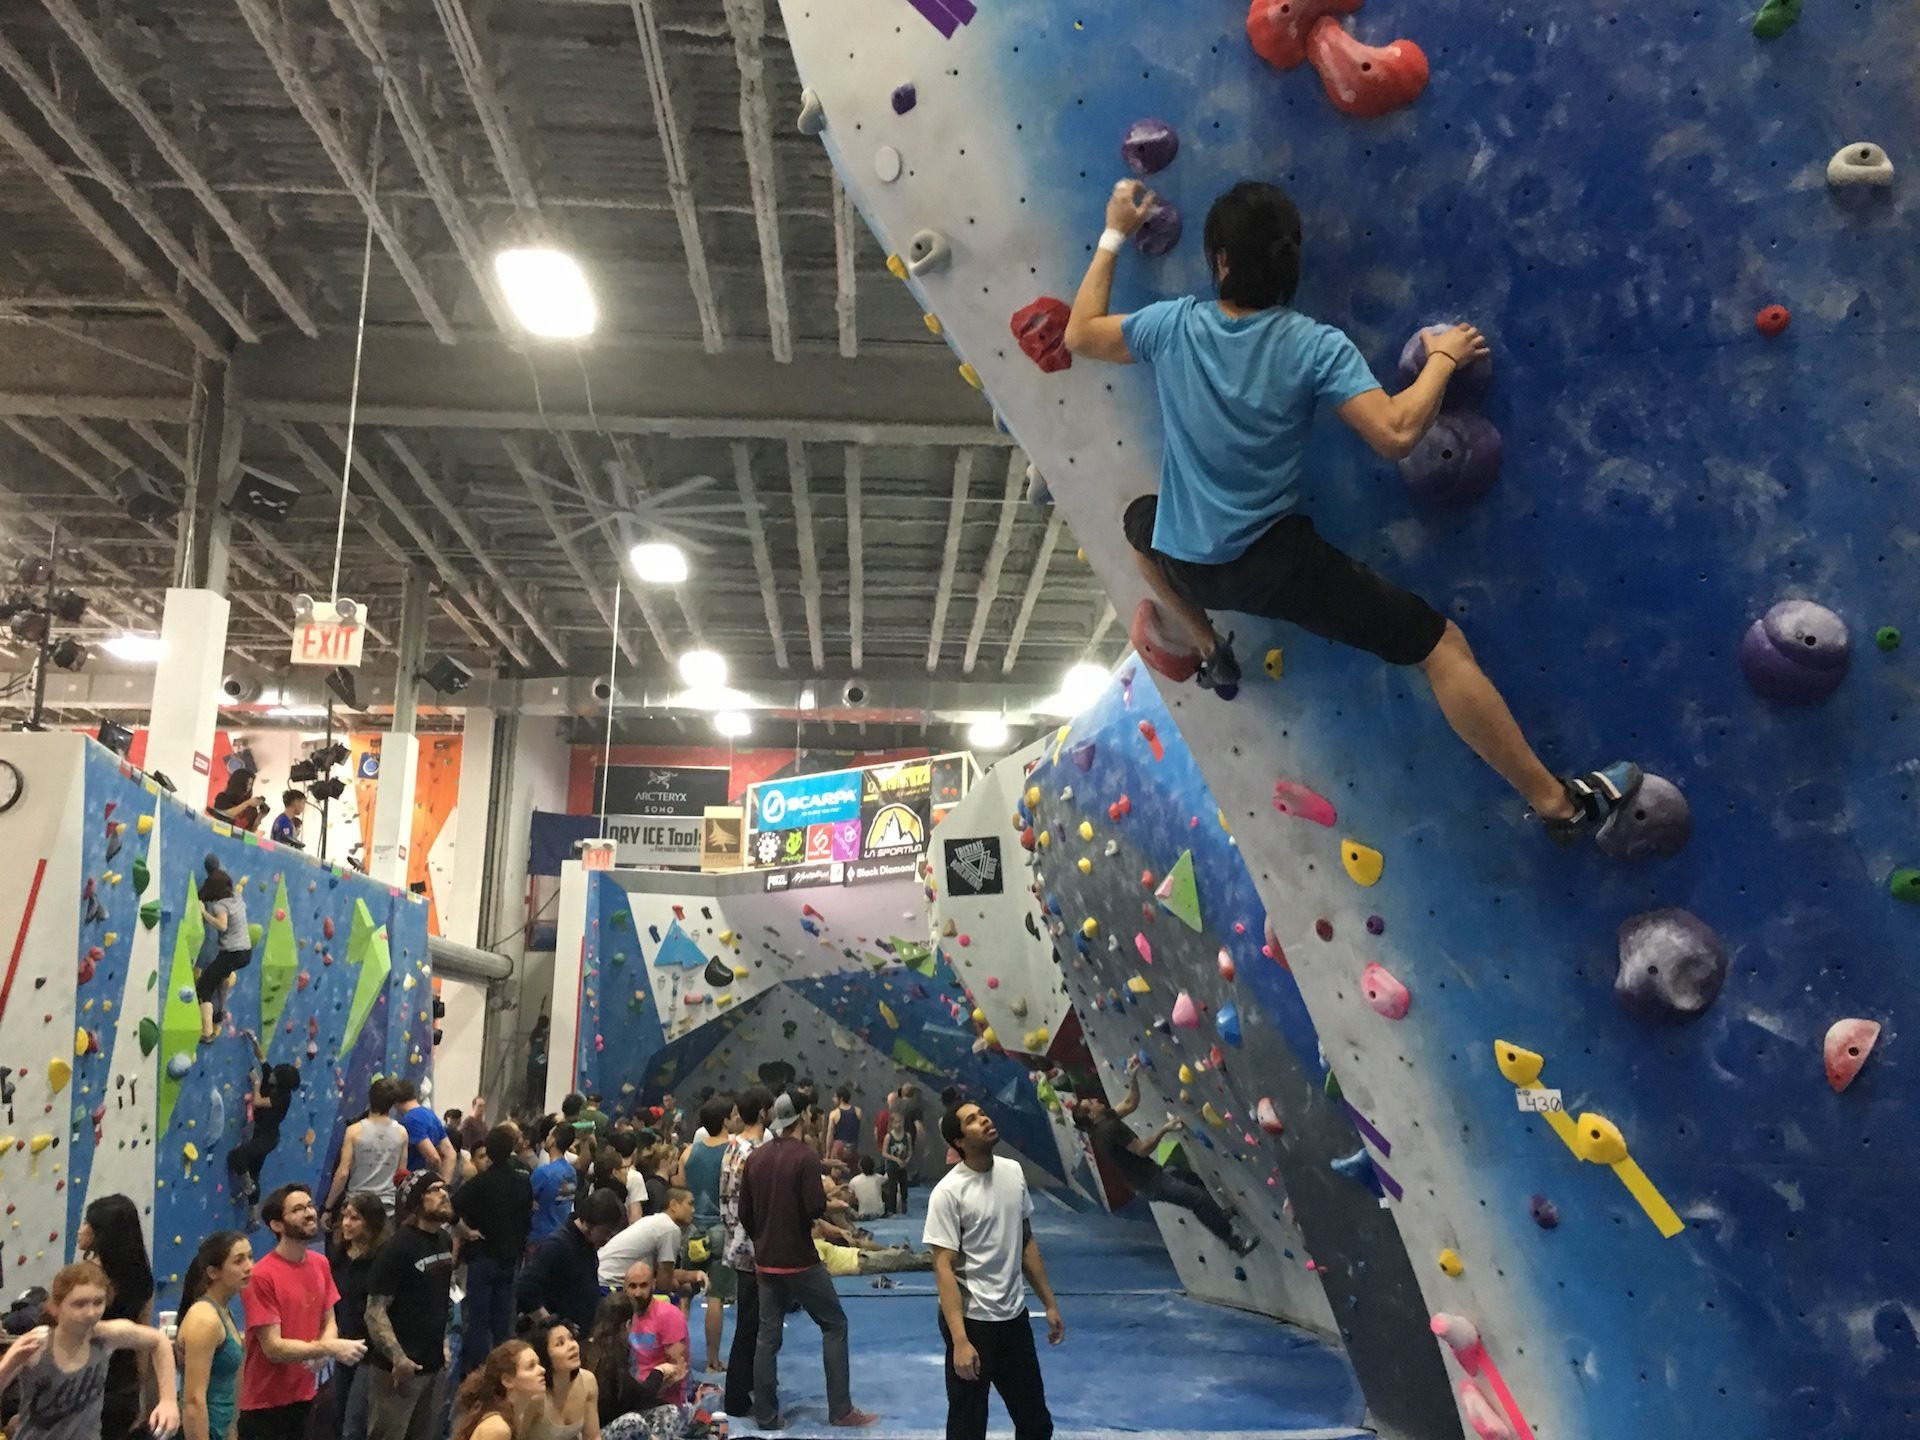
(488, 1310)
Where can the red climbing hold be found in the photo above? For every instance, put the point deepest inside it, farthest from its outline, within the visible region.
(1041, 331)
(1146, 879)
(1157, 647)
(1367, 80)
(1278, 28)
(1152, 737)
(1120, 809)
(326, 926)
(1848, 1044)
(1324, 929)
(1027, 838)
(1773, 320)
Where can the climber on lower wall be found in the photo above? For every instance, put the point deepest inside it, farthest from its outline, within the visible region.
(1239, 381)
(1130, 1156)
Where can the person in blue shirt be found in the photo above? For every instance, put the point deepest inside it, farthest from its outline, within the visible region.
(286, 825)
(428, 1147)
(1240, 379)
(554, 1183)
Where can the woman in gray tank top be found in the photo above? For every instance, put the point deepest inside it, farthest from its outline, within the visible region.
(62, 1365)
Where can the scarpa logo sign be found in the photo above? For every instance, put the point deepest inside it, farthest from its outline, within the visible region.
(809, 800)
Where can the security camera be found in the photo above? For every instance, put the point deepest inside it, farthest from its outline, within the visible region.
(854, 693)
(239, 687)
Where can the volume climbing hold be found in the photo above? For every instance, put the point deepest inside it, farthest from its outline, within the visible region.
(905, 97)
(1847, 1046)
(1185, 1013)
(1278, 28)
(1598, 1141)
(1672, 966)
(1456, 462)
(1655, 821)
(1156, 645)
(1905, 885)
(1861, 163)
(1773, 320)
(813, 115)
(1776, 17)
(1267, 1117)
(1160, 231)
(1385, 994)
(1149, 146)
(1297, 800)
(927, 253)
(1363, 863)
(1796, 653)
(1365, 80)
(1040, 329)
(1357, 1166)
(1545, 1213)
(1467, 383)
(1450, 1263)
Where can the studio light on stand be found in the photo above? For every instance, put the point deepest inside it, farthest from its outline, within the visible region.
(31, 614)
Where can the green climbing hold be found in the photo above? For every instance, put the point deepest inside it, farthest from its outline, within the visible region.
(279, 963)
(620, 920)
(918, 958)
(1905, 885)
(254, 932)
(142, 876)
(1178, 893)
(1333, 1086)
(1887, 637)
(619, 957)
(150, 913)
(912, 1059)
(1776, 17)
(149, 1035)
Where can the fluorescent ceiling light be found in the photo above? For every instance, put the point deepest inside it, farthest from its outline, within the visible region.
(547, 292)
(138, 649)
(733, 724)
(987, 734)
(657, 562)
(703, 669)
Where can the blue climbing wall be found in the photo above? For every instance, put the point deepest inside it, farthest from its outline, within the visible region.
(1612, 193)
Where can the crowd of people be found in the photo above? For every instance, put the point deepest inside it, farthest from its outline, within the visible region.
(576, 1247)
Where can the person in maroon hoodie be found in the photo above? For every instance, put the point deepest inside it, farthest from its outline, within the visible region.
(781, 1195)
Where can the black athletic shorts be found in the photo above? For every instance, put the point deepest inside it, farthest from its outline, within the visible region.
(1291, 574)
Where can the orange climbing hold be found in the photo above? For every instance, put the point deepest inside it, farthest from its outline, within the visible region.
(1365, 80)
(1278, 29)
(1152, 737)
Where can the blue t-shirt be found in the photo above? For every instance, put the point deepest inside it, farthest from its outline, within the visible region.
(421, 1124)
(553, 1187)
(1237, 400)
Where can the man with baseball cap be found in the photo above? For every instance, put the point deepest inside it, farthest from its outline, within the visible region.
(781, 1195)
(409, 1303)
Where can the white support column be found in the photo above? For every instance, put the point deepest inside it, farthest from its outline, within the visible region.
(186, 690)
(473, 827)
(393, 809)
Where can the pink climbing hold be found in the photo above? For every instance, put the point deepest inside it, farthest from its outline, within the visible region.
(1274, 951)
(280, 914)
(1185, 1013)
(1366, 80)
(1278, 28)
(993, 982)
(1146, 879)
(1848, 1044)
(1385, 994)
(1487, 1422)
(965, 941)
(1267, 1116)
(1297, 800)
(1226, 964)
(302, 980)
(1158, 647)
(1152, 737)
(1141, 944)
(326, 927)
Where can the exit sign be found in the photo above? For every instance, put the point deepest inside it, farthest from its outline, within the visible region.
(328, 642)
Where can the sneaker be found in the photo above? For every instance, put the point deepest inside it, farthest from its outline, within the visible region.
(856, 1420)
(1595, 796)
(1220, 671)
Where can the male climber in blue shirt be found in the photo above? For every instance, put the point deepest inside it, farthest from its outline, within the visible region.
(1239, 380)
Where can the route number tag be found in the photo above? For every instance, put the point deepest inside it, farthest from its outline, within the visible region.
(1539, 1101)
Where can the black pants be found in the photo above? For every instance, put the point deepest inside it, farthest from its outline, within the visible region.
(250, 1154)
(746, 1337)
(1010, 1364)
(211, 987)
(1180, 1187)
(282, 1422)
(893, 1189)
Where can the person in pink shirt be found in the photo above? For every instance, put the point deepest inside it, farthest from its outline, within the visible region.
(658, 1333)
(290, 1325)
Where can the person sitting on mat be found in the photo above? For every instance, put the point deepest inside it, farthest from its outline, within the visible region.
(1239, 381)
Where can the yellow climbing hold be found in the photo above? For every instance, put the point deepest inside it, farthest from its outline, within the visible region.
(932, 322)
(1081, 554)
(106, 940)
(1090, 927)
(1138, 985)
(979, 1016)
(1086, 866)
(1213, 1117)
(1033, 795)
(896, 267)
(144, 825)
(1221, 816)
(726, 937)
(1186, 1075)
(970, 375)
(1598, 1140)
(191, 1151)
(1450, 1263)
(1517, 1066)
(988, 1036)
(39, 1143)
(1276, 664)
(886, 1014)
(59, 1071)
(1086, 830)
(1363, 863)
(79, 1042)
(741, 972)
(1046, 839)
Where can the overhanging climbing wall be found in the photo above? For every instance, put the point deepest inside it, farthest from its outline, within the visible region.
(1613, 194)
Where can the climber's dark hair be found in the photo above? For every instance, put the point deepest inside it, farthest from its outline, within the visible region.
(1254, 229)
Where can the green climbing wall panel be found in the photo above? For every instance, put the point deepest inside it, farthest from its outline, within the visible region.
(1181, 897)
(279, 963)
(366, 950)
(180, 1008)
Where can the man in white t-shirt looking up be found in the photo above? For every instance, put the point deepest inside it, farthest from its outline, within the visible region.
(979, 1227)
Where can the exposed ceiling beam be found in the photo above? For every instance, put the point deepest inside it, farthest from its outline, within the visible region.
(856, 556)
(129, 199)
(1035, 580)
(632, 490)
(269, 35)
(989, 588)
(673, 144)
(748, 21)
(539, 487)
(456, 522)
(809, 561)
(950, 555)
(616, 532)
(96, 225)
(757, 542)
(121, 85)
(1100, 627)
(846, 273)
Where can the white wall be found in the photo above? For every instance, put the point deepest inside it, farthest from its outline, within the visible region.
(456, 1061)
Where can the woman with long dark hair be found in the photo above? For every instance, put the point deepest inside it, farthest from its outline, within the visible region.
(237, 804)
(226, 911)
(628, 1407)
(573, 1400)
(363, 1226)
(111, 1237)
(210, 1342)
(501, 1399)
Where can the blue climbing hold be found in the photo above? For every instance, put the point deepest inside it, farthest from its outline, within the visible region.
(1227, 1021)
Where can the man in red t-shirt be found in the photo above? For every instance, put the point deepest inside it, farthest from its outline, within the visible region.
(290, 1327)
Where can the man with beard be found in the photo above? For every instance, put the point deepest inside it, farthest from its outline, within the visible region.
(290, 1325)
(409, 1303)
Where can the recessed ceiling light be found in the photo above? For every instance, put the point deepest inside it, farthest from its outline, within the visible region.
(547, 292)
(703, 669)
(656, 562)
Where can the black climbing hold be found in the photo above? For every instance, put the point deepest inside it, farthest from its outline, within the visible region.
(1655, 821)
(905, 97)
(1545, 1213)
(1672, 966)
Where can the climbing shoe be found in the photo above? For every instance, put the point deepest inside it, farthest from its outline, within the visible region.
(1595, 796)
(1220, 671)
(1244, 1244)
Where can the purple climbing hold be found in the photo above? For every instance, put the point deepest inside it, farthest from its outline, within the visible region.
(1456, 462)
(1082, 756)
(1655, 821)
(1545, 1213)
(1375, 925)
(1150, 146)
(1796, 653)
(1466, 385)
(1160, 231)
(905, 97)
(1672, 966)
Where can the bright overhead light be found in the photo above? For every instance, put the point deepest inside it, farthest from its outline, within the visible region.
(547, 291)
(717, 698)
(732, 724)
(987, 734)
(703, 669)
(1079, 688)
(138, 649)
(657, 562)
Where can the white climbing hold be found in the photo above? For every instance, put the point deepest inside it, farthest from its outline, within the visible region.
(886, 164)
(1861, 163)
(927, 253)
(813, 115)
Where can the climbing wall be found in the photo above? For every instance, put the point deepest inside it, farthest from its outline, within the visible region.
(113, 1093)
(1618, 197)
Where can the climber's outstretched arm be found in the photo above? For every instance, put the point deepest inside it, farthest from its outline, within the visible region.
(1091, 331)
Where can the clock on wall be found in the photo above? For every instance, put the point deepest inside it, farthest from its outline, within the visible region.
(12, 785)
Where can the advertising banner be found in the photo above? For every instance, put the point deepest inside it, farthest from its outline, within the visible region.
(805, 800)
(723, 838)
(973, 866)
(682, 792)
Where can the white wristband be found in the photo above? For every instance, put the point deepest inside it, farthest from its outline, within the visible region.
(1111, 240)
